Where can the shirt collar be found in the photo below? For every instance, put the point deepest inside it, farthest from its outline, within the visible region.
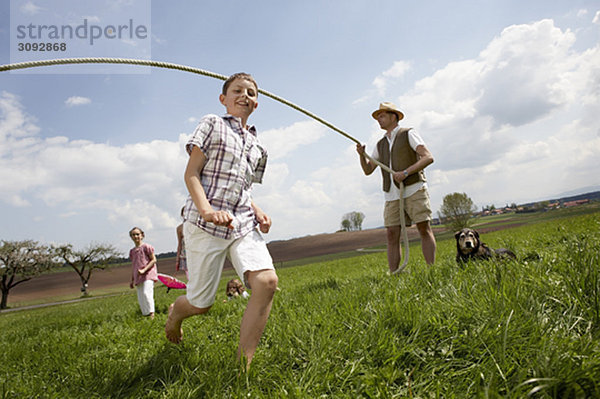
(392, 136)
(238, 120)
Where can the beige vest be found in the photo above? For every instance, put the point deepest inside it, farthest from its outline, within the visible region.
(402, 157)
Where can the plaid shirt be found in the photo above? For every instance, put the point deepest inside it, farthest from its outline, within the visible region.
(234, 160)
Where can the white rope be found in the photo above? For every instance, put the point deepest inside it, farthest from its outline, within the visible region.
(169, 65)
(401, 268)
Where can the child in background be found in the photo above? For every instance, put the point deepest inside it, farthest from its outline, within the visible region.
(143, 271)
(221, 219)
(180, 260)
(235, 289)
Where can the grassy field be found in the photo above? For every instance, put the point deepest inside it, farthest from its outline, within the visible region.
(342, 328)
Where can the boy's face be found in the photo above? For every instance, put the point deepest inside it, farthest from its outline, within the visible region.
(241, 98)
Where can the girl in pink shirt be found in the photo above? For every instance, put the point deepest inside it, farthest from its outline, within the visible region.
(143, 271)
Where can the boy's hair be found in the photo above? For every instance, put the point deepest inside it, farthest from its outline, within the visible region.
(239, 75)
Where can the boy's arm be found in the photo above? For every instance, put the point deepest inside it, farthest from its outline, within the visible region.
(193, 183)
(263, 219)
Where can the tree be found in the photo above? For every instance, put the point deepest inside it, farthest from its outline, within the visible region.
(84, 262)
(457, 209)
(346, 225)
(352, 221)
(20, 261)
(357, 220)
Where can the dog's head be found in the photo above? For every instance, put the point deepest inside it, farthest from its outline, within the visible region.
(234, 287)
(467, 241)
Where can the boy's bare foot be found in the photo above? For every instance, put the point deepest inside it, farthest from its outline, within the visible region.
(173, 328)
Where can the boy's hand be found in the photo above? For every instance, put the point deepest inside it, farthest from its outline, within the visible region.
(264, 222)
(220, 218)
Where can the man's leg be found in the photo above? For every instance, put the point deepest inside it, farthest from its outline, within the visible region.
(263, 284)
(394, 250)
(428, 244)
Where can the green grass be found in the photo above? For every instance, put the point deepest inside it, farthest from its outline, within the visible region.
(342, 328)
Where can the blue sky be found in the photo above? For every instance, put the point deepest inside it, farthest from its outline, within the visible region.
(505, 94)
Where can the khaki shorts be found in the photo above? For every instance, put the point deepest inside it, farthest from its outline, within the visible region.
(416, 209)
(205, 257)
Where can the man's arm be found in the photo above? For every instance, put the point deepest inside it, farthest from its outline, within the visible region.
(424, 159)
(367, 166)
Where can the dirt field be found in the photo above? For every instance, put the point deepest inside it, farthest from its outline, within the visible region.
(67, 285)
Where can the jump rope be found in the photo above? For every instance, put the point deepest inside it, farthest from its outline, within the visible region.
(168, 65)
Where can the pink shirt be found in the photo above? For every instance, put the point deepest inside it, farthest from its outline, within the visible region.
(140, 257)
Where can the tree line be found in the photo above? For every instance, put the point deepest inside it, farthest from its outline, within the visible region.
(20, 261)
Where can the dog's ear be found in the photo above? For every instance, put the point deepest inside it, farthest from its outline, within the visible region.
(457, 234)
(477, 240)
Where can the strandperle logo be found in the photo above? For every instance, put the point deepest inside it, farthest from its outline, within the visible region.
(85, 31)
(52, 29)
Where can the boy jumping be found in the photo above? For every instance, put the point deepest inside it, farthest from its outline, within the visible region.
(221, 219)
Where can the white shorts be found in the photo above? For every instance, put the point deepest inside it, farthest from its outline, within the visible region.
(145, 294)
(206, 254)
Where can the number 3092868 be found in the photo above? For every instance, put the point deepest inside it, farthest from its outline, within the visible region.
(42, 46)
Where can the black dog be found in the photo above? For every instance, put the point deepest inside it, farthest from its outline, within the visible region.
(468, 246)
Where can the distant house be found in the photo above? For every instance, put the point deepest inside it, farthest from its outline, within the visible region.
(569, 204)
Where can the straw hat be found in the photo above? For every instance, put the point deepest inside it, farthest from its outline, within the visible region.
(388, 107)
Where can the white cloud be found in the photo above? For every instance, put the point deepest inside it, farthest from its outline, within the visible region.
(14, 123)
(132, 184)
(281, 142)
(30, 8)
(527, 74)
(92, 19)
(385, 80)
(77, 100)
(390, 75)
(596, 19)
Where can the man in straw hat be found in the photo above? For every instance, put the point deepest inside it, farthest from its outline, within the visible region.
(405, 152)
